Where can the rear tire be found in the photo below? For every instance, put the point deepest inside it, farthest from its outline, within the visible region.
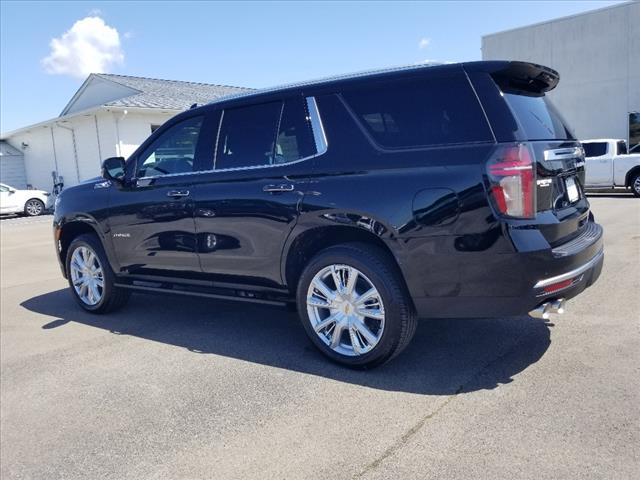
(635, 184)
(91, 280)
(372, 328)
(33, 207)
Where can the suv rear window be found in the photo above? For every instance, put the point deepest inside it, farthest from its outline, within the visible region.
(420, 112)
(594, 149)
(538, 117)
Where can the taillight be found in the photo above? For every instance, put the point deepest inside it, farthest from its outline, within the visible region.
(512, 176)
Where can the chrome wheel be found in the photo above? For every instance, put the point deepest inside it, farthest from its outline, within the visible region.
(636, 184)
(86, 275)
(33, 207)
(346, 310)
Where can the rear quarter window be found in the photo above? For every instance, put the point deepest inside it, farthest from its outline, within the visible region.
(419, 112)
(538, 117)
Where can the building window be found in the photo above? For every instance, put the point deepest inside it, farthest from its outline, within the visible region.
(155, 127)
(634, 132)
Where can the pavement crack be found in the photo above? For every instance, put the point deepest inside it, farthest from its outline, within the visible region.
(404, 439)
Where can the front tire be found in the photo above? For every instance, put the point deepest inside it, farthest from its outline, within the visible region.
(91, 280)
(635, 184)
(33, 207)
(354, 305)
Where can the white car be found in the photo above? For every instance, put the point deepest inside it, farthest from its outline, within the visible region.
(26, 202)
(608, 165)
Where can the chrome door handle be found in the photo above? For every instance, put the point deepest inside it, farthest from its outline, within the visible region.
(178, 193)
(283, 187)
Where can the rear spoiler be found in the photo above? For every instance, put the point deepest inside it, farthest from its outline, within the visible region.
(520, 77)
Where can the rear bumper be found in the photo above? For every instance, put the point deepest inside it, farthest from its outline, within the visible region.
(514, 284)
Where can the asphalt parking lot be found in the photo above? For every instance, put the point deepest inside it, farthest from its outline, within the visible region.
(173, 388)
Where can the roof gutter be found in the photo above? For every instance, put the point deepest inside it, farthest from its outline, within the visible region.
(88, 112)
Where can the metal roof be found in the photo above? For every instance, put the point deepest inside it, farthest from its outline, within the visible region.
(168, 94)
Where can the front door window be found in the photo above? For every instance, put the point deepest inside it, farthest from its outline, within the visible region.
(173, 152)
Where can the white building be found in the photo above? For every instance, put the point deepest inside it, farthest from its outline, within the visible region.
(110, 115)
(597, 54)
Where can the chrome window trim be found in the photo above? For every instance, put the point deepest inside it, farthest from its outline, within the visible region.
(319, 137)
(215, 148)
(317, 127)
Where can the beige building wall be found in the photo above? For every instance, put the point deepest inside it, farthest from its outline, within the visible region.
(598, 57)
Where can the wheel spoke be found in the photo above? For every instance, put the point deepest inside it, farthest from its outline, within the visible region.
(337, 280)
(355, 341)
(95, 295)
(337, 334)
(369, 294)
(77, 260)
(324, 290)
(375, 313)
(99, 282)
(318, 302)
(352, 278)
(364, 331)
(91, 260)
(326, 323)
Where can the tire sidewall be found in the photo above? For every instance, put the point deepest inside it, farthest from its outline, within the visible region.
(92, 242)
(633, 181)
(393, 310)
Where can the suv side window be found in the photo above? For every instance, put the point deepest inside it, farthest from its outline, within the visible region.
(420, 112)
(173, 151)
(295, 135)
(247, 136)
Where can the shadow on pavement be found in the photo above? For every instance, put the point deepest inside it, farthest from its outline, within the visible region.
(445, 357)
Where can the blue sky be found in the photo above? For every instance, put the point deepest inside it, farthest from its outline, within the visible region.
(255, 44)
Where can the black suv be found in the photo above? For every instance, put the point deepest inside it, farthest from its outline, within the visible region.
(367, 201)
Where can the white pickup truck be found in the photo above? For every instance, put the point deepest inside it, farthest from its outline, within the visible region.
(608, 165)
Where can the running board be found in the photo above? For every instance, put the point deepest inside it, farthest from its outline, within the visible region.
(218, 294)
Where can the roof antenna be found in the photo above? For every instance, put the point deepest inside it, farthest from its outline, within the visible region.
(193, 106)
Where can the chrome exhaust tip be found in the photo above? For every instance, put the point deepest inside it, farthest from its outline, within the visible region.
(541, 311)
(545, 310)
(558, 306)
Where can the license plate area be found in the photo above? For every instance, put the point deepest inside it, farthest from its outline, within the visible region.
(573, 194)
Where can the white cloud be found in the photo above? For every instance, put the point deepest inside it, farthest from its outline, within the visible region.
(89, 46)
(424, 43)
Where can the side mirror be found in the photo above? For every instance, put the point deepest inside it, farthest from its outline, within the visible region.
(113, 169)
(11, 191)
